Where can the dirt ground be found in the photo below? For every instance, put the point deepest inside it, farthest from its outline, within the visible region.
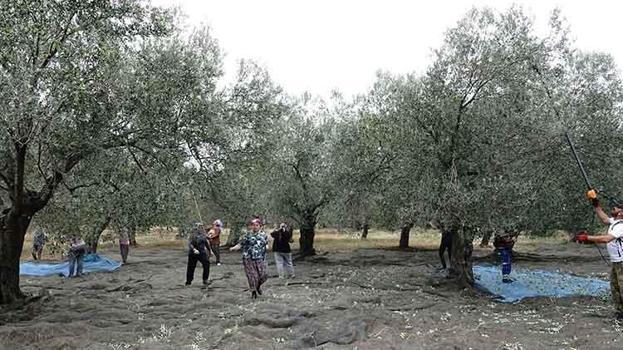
(363, 299)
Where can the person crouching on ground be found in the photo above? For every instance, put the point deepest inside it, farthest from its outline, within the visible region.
(124, 244)
(281, 250)
(614, 242)
(77, 251)
(198, 248)
(254, 245)
(38, 242)
(504, 245)
(214, 236)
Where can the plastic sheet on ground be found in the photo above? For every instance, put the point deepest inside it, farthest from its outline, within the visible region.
(536, 283)
(92, 263)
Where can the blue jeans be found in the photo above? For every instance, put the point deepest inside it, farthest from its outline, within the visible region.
(76, 263)
(507, 255)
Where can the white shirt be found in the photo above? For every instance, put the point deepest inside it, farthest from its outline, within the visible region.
(615, 246)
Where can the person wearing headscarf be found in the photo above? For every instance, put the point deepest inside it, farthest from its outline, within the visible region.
(254, 246)
(198, 248)
(214, 236)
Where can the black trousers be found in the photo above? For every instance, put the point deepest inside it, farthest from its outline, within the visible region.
(446, 244)
(192, 264)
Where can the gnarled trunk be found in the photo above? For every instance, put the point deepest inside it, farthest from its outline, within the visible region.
(308, 232)
(12, 231)
(94, 237)
(405, 232)
(461, 260)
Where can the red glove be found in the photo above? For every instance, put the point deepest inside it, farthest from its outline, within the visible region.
(581, 237)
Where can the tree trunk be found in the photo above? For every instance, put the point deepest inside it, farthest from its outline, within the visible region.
(12, 232)
(405, 232)
(461, 260)
(486, 237)
(94, 238)
(306, 240)
(364, 233)
(234, 233)
(366, 227)
(133, 237)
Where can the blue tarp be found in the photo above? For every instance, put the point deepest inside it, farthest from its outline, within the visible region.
(92, 263)
(536, 283)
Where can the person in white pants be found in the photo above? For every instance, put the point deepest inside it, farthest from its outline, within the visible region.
(281, 249)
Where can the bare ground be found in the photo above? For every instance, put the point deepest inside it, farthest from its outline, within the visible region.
(366, 299)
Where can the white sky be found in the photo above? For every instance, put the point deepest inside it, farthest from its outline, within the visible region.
(321, 45)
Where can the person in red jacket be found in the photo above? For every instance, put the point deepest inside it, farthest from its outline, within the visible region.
(214, 236)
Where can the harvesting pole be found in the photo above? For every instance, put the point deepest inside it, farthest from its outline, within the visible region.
(577, 159)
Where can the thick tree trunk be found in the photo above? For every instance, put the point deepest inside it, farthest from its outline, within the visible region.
(405, 232)
(12, 232)
(461, 260)
(308, 232)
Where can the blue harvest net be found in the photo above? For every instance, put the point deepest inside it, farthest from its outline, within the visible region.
(92, 263)
(536, 283)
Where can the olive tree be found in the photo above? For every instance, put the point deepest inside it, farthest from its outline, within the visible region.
(73, 87)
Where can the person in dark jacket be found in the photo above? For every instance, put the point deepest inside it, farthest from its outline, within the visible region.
(39, 240)
(445, 244)
(198, 248)
(282, 252)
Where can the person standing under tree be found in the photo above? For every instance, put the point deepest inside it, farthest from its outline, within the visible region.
(198, 248)
(254, 245)
(445, 245)
(38, 241)
(282, 252)
(614, 242)
(214, 236)
(504, 245)
(124, 244)
(77, 251)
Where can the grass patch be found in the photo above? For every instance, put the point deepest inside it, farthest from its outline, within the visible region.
(328, 240)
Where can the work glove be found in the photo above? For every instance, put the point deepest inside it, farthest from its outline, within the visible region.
(581, 237)
(592, 197)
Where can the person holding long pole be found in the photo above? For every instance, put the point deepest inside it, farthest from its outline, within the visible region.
(614, 242)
